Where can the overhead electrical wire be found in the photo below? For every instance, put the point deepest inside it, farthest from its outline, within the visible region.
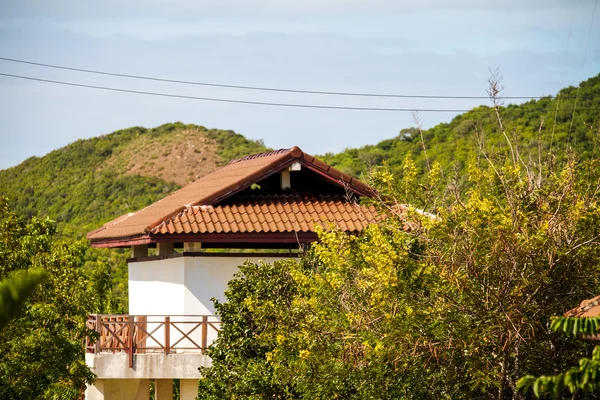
(260, 88)
(261, 103)
(226, 100)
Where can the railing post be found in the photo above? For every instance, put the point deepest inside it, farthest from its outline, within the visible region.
(98, 329)
(130, 343)
(167, 335)
(204, 333)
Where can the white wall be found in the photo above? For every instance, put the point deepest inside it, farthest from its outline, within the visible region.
(207, 277)
(157, 287)
(147, 366)
(182, 286)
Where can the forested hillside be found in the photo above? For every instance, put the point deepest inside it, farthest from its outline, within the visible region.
(451, 144)
(94, 180)
(91, 181)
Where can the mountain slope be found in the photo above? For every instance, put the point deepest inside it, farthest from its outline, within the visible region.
(452, 144)
(91, 181)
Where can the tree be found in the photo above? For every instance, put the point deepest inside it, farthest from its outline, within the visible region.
(450, 296)
(41, 350)
(14, 291)
(240, 369)
(582, 378)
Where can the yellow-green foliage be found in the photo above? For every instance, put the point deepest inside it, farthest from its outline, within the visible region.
(450, 297)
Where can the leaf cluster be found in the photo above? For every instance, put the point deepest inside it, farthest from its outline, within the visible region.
(41, 352)
(450, 296)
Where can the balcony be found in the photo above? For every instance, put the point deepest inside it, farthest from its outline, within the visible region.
(150, 346)
(142, 334)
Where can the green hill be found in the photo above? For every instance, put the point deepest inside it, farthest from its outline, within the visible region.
(452, 144)
(92, 181)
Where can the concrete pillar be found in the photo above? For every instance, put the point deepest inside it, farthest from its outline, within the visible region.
(119, 389)
(285, 180)
(188, 389)
(143, 392)
(139, 251)
(193, 247)
(165, 249)
(95, 391)
(163, 389)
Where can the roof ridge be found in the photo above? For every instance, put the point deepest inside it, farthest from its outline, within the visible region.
(260, 155)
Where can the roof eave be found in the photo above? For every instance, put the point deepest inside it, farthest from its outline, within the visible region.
(120, 242)
(238, 237)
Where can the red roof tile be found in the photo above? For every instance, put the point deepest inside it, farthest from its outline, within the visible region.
(291, 211)
(587, 308)
(217, 186)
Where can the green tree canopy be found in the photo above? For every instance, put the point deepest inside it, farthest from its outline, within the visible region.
(449, 297)
(15, 290)
(41, 349)
(583, 378)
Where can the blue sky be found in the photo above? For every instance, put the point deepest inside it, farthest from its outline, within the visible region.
(410, 47)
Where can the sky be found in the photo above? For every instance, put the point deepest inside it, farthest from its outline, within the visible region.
(425, 47)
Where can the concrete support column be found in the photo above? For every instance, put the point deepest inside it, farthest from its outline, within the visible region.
(119, 389)
(164, 249)
(192, 247)
(286, 182)
(143, 392)
(95, 391)
(188, 389)
(163, 389)
(139, 251)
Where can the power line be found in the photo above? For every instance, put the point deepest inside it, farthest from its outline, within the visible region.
(224, 100)
(259, 88)
(260, 103)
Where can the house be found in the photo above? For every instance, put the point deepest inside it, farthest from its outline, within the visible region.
(587, 308)
(187, 246)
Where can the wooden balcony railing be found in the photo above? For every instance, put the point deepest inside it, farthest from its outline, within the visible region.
(138, 334)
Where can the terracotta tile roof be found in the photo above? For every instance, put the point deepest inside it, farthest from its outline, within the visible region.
(211, 189)
(271, 214)
(587, 308)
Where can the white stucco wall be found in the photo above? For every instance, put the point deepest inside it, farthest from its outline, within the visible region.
(182, 288)
(157, 287)
(182, 285)
(207, 277)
